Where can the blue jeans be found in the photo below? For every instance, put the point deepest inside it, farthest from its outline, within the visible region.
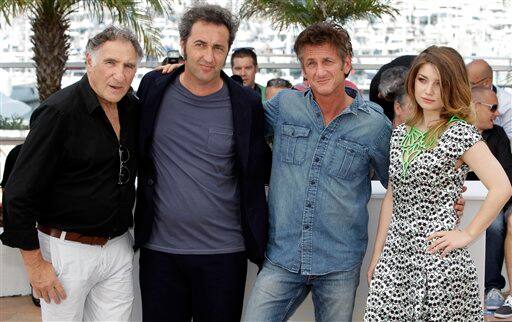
(278, 293)
(495, 251)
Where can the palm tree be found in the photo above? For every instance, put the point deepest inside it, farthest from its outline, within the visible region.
(285, 13)
(50, 22)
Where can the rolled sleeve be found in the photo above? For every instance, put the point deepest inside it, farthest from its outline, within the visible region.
(31, 180)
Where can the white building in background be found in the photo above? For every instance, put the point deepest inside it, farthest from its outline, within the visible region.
(475, 29)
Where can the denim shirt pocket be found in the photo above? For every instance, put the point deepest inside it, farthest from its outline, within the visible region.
(349, 160)
(294, 142)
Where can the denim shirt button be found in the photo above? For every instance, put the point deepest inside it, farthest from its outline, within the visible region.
(306, 227)
(323, 137)
(312, 182)
(308, 205)
(317, 159)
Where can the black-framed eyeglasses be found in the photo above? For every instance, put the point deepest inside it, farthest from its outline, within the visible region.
(491, 107)
(124, 172)
(279, 82)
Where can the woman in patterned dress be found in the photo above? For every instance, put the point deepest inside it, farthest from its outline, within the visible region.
(420, 269)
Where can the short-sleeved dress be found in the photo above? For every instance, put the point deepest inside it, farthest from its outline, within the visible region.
(410, 284)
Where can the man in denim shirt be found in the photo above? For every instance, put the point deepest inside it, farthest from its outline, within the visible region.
(325, 141)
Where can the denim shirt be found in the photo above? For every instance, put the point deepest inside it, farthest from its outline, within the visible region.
(320, 183)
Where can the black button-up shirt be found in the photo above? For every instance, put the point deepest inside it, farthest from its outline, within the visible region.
(67, 174)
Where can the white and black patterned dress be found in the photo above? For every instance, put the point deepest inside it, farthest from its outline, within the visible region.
(410, 284)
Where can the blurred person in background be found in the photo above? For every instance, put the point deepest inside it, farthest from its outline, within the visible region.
(392, 89)
(499, 234)
(275, 85)
(387, 106)
(480, 74)
(244, 62)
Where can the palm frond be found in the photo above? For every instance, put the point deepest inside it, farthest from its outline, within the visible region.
(286, 13)
(135, 16)
(13, 8)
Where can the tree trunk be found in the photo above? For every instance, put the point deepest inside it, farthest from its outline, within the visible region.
(51, 43)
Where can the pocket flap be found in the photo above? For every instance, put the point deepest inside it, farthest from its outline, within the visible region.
(295, 130)
(353, 147)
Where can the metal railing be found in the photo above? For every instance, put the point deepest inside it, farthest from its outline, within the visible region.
(498, 64)
(364, 67)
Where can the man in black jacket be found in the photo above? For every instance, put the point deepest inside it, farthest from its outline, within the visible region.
(201, 208)
(486, 106)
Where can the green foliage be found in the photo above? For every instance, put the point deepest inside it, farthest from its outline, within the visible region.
(13, 123)
(131, 14)
(286, 13)
(134, 14)
(50, 22)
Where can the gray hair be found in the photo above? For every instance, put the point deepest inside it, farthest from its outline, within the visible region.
(213, 14)
(112, 33)
(392, 83)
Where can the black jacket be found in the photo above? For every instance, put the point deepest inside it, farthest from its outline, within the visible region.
(251, 160)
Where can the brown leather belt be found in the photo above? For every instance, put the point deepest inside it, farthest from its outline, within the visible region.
(76, 237)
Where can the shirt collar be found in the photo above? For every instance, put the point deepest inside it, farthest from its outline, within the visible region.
(90, 98)
(91, 101)
(357, 104)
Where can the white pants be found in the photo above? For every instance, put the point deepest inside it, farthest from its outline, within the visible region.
(97, 279)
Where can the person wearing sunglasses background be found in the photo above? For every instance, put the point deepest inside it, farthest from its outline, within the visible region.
(480, 74)
(74, 177)
(244, 62)
(486, 106)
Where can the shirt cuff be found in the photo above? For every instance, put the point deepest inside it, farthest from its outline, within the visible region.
(23, 239)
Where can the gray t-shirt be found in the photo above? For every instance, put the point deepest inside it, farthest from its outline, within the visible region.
(197, 203)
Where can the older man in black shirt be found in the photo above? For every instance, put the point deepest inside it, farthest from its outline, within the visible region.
(75, 179)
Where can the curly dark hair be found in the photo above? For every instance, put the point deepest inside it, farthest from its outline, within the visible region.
(211, 14)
